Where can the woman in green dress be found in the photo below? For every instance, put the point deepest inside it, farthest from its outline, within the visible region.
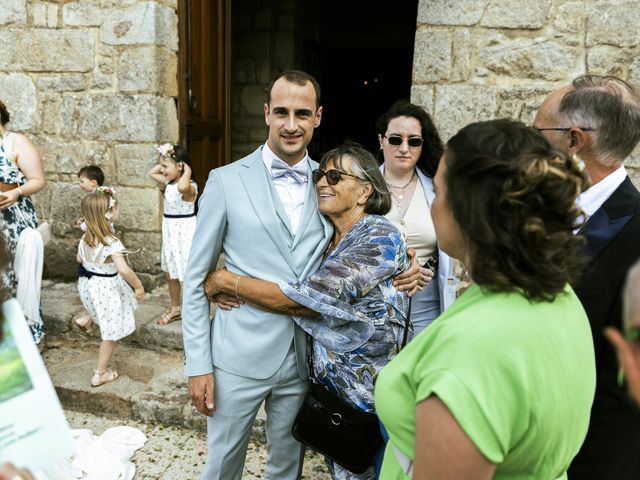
(501, 384)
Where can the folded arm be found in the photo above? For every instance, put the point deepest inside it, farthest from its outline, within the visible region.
(261, 293)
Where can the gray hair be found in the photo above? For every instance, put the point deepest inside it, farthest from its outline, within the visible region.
(366, 168)
(611, 107)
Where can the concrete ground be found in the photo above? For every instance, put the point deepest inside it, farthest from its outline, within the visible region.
(173, 453)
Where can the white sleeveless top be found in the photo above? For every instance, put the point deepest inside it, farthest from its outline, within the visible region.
(417, 225)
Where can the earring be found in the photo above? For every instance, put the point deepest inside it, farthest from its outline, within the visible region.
(577, 162)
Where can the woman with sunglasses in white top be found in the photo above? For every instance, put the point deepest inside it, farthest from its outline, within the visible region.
(410, 149)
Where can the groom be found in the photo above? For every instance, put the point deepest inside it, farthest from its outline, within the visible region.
(261, 211)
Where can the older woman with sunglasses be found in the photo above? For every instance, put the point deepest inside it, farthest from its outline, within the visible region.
(350, 307)
(411, 149)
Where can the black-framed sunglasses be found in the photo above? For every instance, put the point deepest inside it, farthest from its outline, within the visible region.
(397, 140)
(565, 129)
(333, 176)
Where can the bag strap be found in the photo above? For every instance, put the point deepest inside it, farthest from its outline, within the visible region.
(310, 357)
(405, 336)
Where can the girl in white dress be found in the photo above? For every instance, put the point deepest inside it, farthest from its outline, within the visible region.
(173, 172)
(102, 283)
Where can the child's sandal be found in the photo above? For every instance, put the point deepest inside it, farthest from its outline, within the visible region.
(104, 376)
(169, 316)
(86, 326)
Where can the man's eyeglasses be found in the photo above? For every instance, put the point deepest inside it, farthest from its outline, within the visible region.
(333, 176)
(565, 129)
(397, 140)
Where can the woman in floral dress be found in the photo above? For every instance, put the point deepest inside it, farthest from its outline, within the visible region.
(21, 175)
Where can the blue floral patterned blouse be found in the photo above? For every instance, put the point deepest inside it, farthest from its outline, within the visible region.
(362, 315)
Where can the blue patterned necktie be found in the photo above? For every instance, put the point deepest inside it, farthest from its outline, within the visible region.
(280, 169)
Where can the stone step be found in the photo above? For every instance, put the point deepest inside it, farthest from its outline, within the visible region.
(61, 304)
(150, 361)
(151, 387)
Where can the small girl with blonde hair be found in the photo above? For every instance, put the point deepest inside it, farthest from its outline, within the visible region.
(173, 172)
(102, 283)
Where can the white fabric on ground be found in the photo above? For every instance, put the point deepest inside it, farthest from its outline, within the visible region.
(103, 457)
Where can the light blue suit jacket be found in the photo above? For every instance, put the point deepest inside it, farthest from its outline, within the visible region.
(240, 214)
(447, 282)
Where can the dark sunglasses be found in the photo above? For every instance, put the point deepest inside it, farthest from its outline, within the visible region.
(333, 176)
(396, 141)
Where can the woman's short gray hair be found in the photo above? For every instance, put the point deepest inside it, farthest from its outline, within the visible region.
(366, 168)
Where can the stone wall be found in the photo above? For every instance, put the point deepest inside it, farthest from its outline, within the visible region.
(482, 59)
(263, 44)
(94, 81)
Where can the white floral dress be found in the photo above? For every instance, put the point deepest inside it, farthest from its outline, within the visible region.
(178, 227)
(104, 293)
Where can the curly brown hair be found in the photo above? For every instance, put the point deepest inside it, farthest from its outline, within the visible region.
(514, 198)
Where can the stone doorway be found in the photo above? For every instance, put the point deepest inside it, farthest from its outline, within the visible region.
(361, 52)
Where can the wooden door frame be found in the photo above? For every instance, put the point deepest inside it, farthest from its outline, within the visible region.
(223, 58)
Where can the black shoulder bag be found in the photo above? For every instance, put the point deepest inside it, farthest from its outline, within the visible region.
(332, 427)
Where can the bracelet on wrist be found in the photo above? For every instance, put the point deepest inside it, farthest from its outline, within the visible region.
(20, 192)
(235, 290)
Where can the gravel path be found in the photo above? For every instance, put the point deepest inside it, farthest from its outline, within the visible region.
(173, 453)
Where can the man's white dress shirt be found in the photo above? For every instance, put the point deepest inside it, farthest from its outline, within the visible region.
(291, 192)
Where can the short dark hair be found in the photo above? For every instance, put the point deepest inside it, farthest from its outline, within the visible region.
(4, 114)
(432, 148)
(365, 167)
(513, 197)
(299, 78)
(92, 172)
(609, 105)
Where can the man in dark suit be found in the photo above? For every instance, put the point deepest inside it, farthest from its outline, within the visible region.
(597, 119)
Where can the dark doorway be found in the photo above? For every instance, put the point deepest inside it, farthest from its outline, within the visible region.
(366, 59)
(361, 52)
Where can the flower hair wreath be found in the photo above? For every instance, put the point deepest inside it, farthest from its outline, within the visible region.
(166, 150)
(111, 193)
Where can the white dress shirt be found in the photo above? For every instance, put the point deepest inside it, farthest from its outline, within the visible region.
(592, 199)
(291, 192)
